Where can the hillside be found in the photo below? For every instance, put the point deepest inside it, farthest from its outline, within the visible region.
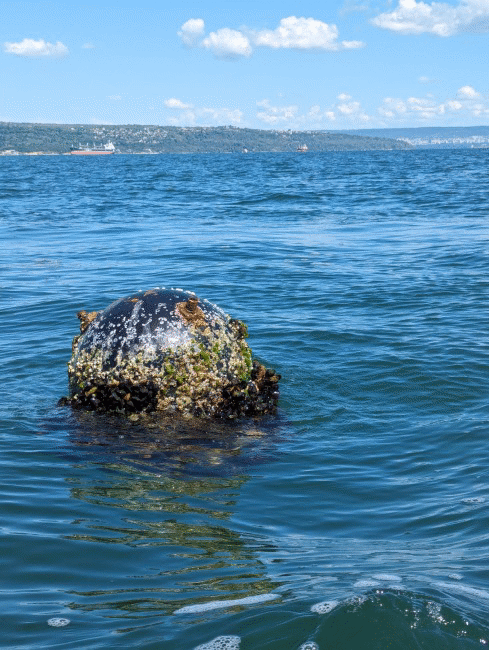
(58, 138)
(434, 137)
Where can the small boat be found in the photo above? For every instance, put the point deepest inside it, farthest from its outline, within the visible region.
(303, 148)
(95, 150)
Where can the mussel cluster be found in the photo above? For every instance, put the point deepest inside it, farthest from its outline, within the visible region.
(122, 397)
(164, 351)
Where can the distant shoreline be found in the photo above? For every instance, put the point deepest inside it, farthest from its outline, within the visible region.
(38, 139)
(58, 139)
(17, 154)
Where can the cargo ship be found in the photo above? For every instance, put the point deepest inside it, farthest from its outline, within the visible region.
(96, 150)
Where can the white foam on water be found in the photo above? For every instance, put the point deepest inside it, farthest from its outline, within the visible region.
(367, 583)
(455, 576)
(221, 643)
(58, 622)
(324, 607)
(462, 589)
(309, 645)
(471, 500)
(387, 577)
(218, 604)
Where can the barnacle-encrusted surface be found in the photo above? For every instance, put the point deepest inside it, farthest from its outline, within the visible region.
(165, 351)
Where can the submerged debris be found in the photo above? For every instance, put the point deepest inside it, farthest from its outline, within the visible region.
(165, 351)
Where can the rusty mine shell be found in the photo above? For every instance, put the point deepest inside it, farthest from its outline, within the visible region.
(165, 351)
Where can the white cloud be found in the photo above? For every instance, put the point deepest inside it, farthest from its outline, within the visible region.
(275, 114)
(222, 115)
(228, 43)
(424, 107)
(291, 117)
(352, 45)
(350, 109)
(304, 34)
(428, 108)
(438, 18)
(315, 111)
(316, 116)
(291, 33)
(88, 46)
(114, 98)
(392, 107)
(467, 92)
(480, 109)
(176, 103)
(353, 7)
(417, 103)
(191, 31)
(190, 115)
(454, 105)
(31, 48)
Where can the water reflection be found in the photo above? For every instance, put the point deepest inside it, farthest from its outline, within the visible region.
(193, 446)
(156, 502)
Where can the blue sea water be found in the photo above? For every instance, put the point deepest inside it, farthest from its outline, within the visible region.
(356, 518)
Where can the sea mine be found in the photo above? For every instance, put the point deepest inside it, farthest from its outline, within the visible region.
(166, 351)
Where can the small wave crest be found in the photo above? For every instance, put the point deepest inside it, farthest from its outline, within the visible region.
(221, 643)
(220, 604)
(418, 620)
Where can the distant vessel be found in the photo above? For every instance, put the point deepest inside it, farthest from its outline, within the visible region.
(96, 150)
(303, 148)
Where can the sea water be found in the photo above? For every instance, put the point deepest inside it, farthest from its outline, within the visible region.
(358, 517)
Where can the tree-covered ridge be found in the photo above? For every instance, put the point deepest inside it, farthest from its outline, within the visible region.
(59, 138)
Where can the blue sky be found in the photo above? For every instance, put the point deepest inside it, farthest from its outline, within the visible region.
(341, 64)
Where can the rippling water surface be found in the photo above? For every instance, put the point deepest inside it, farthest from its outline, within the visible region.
(359, 516)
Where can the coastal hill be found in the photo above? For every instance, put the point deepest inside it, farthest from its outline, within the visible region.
(434, 137)
(59, 138)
